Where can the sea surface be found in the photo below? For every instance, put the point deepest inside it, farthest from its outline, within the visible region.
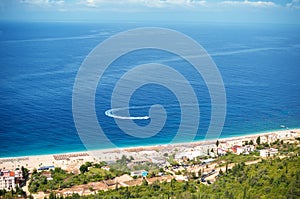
(259, 65)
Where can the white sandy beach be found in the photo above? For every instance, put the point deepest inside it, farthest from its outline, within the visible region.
(72, 161)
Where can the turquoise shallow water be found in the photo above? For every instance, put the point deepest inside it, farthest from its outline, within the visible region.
(259, 65)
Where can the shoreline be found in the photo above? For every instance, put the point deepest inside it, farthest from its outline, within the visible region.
(155, 145)
(210, 141)
(72, 160)
(158, 144)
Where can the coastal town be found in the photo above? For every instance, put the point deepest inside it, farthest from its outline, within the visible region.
(111, 169)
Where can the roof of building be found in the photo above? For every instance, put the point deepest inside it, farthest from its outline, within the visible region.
(123, 178)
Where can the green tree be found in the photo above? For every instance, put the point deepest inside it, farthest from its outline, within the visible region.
(226, 170)
(145, 183)
(199, 173)
(25, 173)
(83, 168)
(258, 140)
(20, 192)
(52, 195)
(251, 142)
(221, 172)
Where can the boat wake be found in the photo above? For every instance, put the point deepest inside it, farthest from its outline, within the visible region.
(112, 113)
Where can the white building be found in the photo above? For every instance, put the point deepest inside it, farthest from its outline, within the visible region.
(9, 179)
(268, 152)
(190, 155)
(248, 149)
(273, 151)
(138, 173)
(222, 151)
(7, 182)
(237, 149)
(285, 134)
(207, 161)
(158, 160)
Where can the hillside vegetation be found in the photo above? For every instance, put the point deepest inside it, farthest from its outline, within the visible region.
(271, 178)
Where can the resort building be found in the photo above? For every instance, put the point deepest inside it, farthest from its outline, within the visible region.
(248, 149)
(139, 161)
(7, 183)
(222, 151)
(9, 179)
(139, 173)
(207, 161)
(237, 149)
(241, 149)
(45, 168)
(187, 155)
(158, 160)
(268, 152)
(233, 142)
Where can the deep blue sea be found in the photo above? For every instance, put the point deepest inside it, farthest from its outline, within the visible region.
(259, 64)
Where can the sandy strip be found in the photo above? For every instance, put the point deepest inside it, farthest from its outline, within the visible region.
(72, 161)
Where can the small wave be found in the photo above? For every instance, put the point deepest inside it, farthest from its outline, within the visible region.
(90, 36)
(249, 50)
(226, 53)
(110, 113)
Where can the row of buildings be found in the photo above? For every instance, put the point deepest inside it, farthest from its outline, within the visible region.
(237, 149)
(247, 149)
(236, 146)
